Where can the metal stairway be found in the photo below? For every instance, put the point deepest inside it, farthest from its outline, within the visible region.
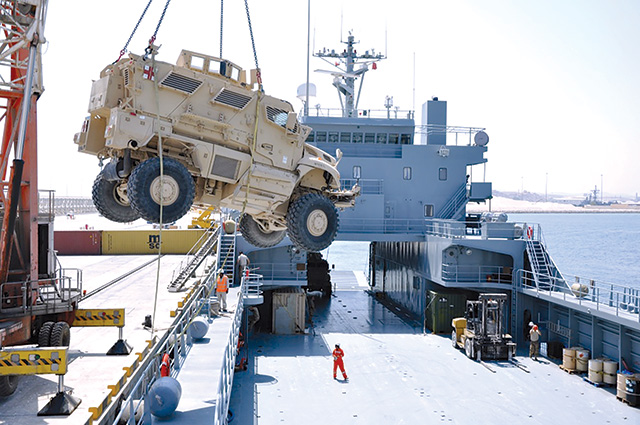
(541, 265)
(207, 243)
(227, 255)
(453, 209)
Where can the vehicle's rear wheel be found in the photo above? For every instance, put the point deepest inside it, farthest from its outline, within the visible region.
(112, 201)
(8, 385)
(147, 190)
(312, 222)
(253, 234)
(44, 334)
(60, 335)
(454, 339)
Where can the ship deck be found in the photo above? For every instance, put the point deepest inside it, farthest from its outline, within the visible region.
(398, 375)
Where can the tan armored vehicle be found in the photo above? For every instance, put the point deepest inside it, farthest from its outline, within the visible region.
(222, 143)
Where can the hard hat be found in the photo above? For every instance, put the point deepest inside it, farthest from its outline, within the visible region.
(531, 324)
(337, 345)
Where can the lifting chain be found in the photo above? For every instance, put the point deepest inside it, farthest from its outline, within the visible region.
(153, 37)
(253, 45)
(221, 16)
(124, 49)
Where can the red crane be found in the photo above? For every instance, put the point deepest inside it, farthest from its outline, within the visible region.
(37, 303)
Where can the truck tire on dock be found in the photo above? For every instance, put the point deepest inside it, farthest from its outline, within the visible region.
(60, 335)
(253, 234)
(177, 186)
(44, 334)
(312, 222)
(8, 384)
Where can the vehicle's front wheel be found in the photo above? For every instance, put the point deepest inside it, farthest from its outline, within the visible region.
(312, 222)
(468, 348)
(454, 339)
(112, 201)
(175, 191)
(253, 234)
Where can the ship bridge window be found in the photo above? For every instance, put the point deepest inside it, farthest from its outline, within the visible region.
(345, 137)
(357, 137)
(321, 136)
(394, 138)
(357, 170)
(428, 210)
(442, 174)
(406, 173)
(370, 137)
(333, 137)
(405, 139)
(382, 138)
(311, 137)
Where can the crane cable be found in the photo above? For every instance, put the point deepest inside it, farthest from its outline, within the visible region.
(160, 156)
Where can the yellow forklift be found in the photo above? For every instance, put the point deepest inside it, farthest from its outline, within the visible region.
(479, 333)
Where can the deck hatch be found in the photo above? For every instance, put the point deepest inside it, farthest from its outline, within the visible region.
(180, 82)
(231, 98)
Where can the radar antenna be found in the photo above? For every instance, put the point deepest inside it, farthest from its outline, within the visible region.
(346, 75)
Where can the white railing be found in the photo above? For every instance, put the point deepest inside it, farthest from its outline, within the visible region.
(476, 274)
(456, 130)
(362, 113)
(280, 271)
(252, 284)
(604, 296)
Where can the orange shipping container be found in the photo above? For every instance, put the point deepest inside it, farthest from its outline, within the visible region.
(115, 242)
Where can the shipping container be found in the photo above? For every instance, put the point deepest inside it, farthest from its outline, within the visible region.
(442, 308)
(136, 242)
(289, 311)
(77, 242)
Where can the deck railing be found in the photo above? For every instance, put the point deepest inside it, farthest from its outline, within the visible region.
(279, 271)
(476, 274)
(610, 297)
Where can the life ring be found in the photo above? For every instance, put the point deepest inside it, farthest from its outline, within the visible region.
(529, 232)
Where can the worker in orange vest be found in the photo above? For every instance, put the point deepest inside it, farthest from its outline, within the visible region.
(165, 366)
(222, 287)
(338, 354)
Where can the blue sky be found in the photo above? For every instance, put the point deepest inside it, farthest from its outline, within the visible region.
(553, 82)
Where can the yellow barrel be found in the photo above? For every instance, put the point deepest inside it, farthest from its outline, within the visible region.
(582, 359)
(609, 370)
(595, 370)
(569, 358)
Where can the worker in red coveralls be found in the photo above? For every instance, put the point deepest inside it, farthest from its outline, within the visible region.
(338, 354)
(165, 366)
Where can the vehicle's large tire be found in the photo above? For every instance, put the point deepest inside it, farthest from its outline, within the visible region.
(144, 190)
(454, 339)
(111, 202)
(8, 384)
(253, 234)
(60, 335)
(312, 222)
(44, 334)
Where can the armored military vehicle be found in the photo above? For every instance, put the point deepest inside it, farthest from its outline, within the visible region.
(197, 132)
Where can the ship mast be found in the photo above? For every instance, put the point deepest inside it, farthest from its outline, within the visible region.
(344, 79)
